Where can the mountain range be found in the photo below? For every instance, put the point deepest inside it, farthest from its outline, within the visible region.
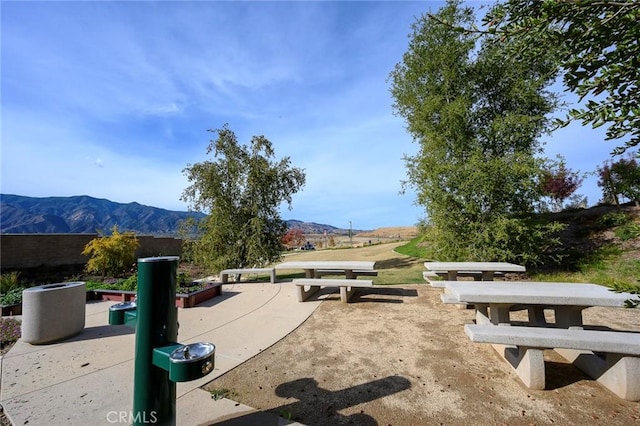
(83, 214)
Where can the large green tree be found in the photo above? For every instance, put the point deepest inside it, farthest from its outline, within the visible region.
(241, 191)
(477, 118)
(597, 52)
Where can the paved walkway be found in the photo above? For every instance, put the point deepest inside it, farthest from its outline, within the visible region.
(88, 379)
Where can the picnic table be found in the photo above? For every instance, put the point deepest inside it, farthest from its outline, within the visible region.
(523, 346)
(310, 267)
(485, 270)
(315, 269)
(494, 301)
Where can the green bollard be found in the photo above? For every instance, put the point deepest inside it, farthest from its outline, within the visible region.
(154, 395)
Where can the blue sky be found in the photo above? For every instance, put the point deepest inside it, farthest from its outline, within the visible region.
(114, 99)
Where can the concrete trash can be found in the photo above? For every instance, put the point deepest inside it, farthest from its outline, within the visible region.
(53, 312)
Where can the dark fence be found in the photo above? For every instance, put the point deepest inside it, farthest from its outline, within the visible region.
(24, 251)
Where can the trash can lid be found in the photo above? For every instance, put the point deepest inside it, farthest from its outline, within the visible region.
(159, 259)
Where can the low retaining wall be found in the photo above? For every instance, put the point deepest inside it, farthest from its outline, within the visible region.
(23, 251)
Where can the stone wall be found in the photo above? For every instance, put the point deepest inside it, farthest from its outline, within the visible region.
(20, 251)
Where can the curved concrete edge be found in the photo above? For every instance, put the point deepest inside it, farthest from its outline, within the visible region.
(90, 376)
(199, 408)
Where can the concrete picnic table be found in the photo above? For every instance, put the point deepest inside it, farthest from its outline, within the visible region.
(493, 301)
(486, 269)
(311, 266)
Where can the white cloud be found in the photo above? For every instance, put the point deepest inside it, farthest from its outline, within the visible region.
(113, 100)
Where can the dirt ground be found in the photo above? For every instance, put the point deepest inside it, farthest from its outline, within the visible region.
(398, 356)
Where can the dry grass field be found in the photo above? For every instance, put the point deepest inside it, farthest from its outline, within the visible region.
(360, 239)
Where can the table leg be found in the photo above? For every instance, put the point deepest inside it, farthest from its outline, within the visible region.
(452, 275)
(569, 316)
(487, 275)
(499, 314)
(305, 294)
(528, 363)
(536, 315)
(482, 314)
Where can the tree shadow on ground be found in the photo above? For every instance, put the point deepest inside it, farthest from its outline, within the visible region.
(366, 295)
(318, 406)
(397, 262)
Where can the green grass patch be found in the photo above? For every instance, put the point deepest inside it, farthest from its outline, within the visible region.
(607, 266)
(217, 394)
(413, 248)
(408, 275)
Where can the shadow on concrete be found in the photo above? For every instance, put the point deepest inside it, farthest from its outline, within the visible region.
(99, 332)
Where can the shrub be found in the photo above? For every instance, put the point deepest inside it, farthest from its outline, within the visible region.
(9, 330)
(611, 219)
(11, 297)
(112, 255)
(628, 231)
(130, 284)
(9, 281)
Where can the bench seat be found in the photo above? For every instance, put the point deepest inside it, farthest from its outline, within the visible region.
(432, 276)
(224, 274)
(347, 287)
(619, 371)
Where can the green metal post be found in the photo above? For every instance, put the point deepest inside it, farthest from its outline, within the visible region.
(154, 395)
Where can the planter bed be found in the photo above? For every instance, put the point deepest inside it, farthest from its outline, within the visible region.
(183, 300)
(11, 310)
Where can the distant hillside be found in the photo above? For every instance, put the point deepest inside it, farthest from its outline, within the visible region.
(83, 214)
(309, 228)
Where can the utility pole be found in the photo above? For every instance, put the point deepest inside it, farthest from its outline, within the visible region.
(350, 235)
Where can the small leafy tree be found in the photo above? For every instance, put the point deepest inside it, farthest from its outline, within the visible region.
(241, 191)
(620, 179)
(113, 254)
(477, 117)
(559, 183)
(293, 237)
